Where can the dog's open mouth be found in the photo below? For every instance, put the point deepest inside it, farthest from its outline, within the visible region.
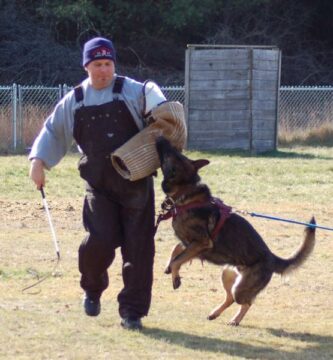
(176, 168)
(163, 147)
(166, 187)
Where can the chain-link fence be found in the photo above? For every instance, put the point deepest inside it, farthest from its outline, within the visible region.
(174, 93)
(305, 107)
(7, 125)
(35, 103)
(23, 109)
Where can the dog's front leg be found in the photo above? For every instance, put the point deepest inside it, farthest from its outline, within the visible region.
(175, 252)
(190, 252)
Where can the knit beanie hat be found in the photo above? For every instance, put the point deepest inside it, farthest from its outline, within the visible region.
(98, 48)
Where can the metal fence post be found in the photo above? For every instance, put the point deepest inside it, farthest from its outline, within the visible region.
(14, 115)
(19, 117)
(65, 89)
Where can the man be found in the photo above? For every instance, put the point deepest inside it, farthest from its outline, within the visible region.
(101, 114)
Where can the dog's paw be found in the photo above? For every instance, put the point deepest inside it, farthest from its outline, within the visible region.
(176, 282)
(211, 317)
(233, 323)
(167, 270)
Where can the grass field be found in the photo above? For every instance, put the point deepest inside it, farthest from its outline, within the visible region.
(291, 319)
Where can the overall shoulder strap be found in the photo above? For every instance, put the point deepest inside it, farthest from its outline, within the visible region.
(78, 92)
(118, 84)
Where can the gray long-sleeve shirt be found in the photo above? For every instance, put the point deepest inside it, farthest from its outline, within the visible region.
(56, 135)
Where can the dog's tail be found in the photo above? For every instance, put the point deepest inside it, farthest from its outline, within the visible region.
(284, 266)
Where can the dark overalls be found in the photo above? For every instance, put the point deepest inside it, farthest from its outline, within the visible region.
(116, 212)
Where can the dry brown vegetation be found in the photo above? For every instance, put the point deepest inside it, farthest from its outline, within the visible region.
(35, 116)
(316, 136)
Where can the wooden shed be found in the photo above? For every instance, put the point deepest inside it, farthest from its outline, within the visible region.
(231, 97)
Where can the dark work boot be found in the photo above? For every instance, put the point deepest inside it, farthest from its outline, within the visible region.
(92, 306)
(131, 323)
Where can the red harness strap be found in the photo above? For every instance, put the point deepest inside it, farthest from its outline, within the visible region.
(173, 210)
(225, 212)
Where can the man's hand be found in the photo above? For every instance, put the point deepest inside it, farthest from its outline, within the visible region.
(37, 173)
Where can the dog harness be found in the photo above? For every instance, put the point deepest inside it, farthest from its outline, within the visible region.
(170, 210)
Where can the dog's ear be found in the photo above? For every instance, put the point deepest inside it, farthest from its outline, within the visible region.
(198, 164)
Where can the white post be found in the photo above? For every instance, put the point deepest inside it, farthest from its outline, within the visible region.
(14, 116)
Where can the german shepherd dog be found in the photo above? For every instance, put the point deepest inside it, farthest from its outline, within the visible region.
(248, 264)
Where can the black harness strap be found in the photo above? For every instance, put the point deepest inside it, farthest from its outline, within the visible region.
(78, 92)
(117, 88)
(118, 85)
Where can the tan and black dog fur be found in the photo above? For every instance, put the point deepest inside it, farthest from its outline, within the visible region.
(248, 264)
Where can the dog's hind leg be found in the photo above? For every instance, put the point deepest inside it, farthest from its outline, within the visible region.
(228, 278)
(175, 251)
(247, 286)
(235, 321)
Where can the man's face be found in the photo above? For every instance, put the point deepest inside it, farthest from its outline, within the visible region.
(100, 73)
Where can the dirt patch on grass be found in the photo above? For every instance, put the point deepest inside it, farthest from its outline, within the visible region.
(66, 214)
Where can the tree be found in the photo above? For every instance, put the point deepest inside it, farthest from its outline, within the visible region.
(41, 40)
(290, 26)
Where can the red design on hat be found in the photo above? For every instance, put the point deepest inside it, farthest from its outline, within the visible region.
(101, 51)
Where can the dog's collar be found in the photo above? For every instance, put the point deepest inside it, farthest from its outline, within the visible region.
(171, 210)
(174, 199)
(179, 197)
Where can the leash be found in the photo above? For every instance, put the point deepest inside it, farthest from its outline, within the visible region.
(270, 217)
(169, 209)
(55, 242)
